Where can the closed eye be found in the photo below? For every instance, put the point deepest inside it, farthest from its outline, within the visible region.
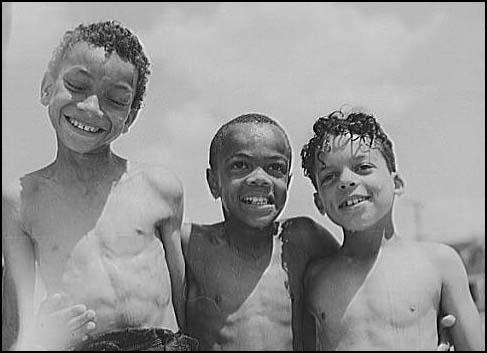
(72, 86)
(327, 179)
(117, 102)
(364, 167)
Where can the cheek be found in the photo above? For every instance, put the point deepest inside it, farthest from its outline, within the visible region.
(117, 118)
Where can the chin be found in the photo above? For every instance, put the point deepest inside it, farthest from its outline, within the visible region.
(259, 223)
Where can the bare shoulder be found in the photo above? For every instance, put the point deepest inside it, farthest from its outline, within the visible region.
(159, 178)
(319, 266)
(436, 251)
(199, 241)
(11, 194)
(305, 232)
(211, 234)
(446, 259)
(11, 209)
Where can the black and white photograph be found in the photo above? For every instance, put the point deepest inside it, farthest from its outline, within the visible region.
(243, 176)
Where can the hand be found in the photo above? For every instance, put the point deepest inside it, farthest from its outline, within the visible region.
(445, 323)
(59, 325)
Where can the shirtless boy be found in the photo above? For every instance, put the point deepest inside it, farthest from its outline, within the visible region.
(244, 275)
(380, 291)
(91, 220)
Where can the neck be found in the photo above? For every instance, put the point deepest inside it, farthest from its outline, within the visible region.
(248, 240)
(366, 243)
(102, 166)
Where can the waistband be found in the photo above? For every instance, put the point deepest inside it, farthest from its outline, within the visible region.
(139, 339)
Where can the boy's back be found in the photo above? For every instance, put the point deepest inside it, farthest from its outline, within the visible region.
(237, 303)
(390, 301)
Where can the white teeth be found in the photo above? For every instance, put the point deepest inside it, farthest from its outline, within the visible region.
(255, 200)
(83, 127)
(353, 202)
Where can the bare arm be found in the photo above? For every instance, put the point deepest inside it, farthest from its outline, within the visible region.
(170, 234)
(309, 331)
(310, 341)
(20, 259)
(456, 300)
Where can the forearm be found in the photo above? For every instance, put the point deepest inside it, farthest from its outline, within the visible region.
(171, 240)
(21, 270)
(175, 263)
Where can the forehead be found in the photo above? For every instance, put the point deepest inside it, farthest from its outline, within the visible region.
(256, 139)
(92, 60)
(346, 147)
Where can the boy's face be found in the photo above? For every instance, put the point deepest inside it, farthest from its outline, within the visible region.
(355, 187)
(252, 173)
(89, 99)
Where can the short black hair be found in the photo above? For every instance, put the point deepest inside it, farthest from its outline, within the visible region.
(251, 118)
(112, 36)
(359, 123)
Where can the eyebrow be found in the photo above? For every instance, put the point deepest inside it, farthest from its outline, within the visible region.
(358, 158)
(248, 156)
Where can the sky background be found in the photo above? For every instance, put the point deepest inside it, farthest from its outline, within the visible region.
(420, 67)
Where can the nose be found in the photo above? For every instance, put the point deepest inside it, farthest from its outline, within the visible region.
(346, 180)
(91, 106)
(258, 178)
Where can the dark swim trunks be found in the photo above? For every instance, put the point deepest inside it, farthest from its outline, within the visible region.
(144, 339)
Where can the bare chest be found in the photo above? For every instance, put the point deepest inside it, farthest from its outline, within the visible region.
(395, 293)
(236, 303)
(120, 219)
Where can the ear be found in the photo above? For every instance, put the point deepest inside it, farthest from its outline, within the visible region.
(47, 87)
(398, 184)
(213, 183)
(318, 203)
(130, 120)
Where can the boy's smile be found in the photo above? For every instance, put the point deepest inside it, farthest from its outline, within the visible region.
(355, 187)
(252, 174)
(89, 97)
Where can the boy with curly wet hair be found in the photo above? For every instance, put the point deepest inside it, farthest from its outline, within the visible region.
(91, 220)
(379, 291)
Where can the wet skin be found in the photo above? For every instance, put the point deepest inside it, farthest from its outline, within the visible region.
(245, 274)
(380, 291)
(91, 219)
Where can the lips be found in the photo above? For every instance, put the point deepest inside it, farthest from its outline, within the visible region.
(353, 201)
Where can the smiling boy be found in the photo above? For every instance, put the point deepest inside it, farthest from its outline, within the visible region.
(244, 275)
(91, 220)
(379, 291)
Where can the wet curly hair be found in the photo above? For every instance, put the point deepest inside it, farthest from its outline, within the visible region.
(112, 36)
(359, 125)
(251, 118)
